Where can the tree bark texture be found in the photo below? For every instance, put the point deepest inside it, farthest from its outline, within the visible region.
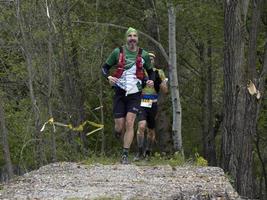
(100, 97)
(176, 104)
(262, 81)
(210, 141)
(4, 140)
(239, 106)
(208, 137)
(50, 82)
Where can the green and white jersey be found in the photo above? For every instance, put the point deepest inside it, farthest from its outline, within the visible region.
(128, 81)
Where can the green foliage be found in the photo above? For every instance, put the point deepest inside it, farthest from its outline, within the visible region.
(79, 50)
(200, 161)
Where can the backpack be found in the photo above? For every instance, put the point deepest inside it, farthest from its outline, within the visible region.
(121, 64)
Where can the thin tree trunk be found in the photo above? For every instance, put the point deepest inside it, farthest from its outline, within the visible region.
(204, 100)
(50, 78)
(64, 68)
(103, 143)
(68, 73)
(155, 16)
(176, 104)
(208, 134)
(163, 133)
(4, 141)
(74, 78)
(211, 146)
(28, 55)
(103, 138)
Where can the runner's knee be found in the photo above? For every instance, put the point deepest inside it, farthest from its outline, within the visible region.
(141, 128)
(150, 134)
(119, 127)
(129, 123)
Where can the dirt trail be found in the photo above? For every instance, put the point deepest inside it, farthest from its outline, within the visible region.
(76, 181)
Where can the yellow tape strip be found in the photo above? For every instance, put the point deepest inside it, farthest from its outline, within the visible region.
(78, 128)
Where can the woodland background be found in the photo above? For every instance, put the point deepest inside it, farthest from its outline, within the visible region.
(51, 55)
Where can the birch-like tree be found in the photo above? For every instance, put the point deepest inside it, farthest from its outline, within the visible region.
(176, 102)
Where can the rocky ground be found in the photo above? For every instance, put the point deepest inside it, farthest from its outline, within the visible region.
(76, 181)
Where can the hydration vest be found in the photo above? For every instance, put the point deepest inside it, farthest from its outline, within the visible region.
(121, 64)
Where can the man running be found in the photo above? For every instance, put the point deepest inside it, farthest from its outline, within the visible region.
(127, 81)
(148, 111)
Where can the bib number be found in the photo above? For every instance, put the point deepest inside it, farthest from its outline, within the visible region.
(146, 103)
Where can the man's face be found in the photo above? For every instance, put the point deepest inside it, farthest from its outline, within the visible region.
(132, 39)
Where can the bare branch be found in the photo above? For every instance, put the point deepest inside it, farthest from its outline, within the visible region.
(125, 28)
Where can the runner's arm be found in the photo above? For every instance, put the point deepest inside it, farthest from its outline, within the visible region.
(151, 77)
(164, 86)
(112, 60)
(105, 70)
(151, 74)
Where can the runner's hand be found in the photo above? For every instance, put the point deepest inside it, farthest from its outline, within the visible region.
(150, 83)
(112, 80)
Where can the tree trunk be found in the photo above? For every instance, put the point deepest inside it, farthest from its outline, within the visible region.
(4, 141)
(103, 137)
(239, 107)
(50, 78)
(65, 72)
(163, 129)
(259, 139)
(176, 104)
(254, 76)
(73, 99)
(26, 48)
(208, 133)
(210, 142)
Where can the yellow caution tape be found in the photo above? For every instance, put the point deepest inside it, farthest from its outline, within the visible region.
(69, 126)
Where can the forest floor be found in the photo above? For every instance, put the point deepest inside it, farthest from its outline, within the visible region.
(66, 180)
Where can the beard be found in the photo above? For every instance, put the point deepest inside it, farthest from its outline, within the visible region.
(132, 42)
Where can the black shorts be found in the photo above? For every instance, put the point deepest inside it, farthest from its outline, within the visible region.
(148, 114)
(123, 104)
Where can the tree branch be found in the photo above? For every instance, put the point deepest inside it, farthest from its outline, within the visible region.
(162, 50)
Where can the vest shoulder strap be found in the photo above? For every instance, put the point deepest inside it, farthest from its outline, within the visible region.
(140, 50)
(121, 49)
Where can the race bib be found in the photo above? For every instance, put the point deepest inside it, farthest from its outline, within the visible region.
(146, 103)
